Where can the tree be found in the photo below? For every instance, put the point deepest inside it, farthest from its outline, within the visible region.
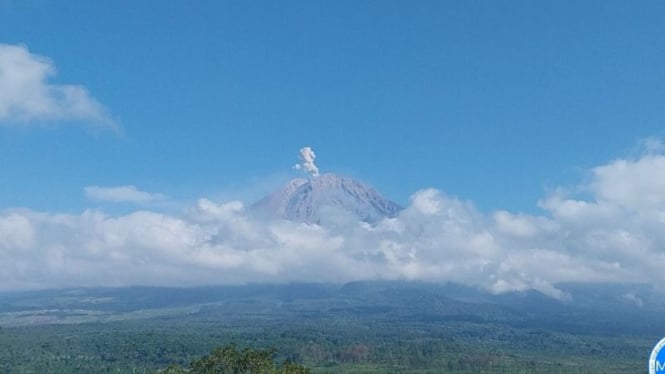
(229, 360)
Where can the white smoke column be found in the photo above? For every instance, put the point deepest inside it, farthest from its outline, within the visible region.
(307, 157)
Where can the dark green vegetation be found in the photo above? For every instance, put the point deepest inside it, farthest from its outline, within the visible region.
(362, 327)
(230, 360)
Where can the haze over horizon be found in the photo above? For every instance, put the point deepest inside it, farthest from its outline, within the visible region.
(524, 148)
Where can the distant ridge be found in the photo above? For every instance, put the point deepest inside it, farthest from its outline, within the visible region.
(310, 200)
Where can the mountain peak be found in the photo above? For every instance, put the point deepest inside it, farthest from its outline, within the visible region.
(312, 200)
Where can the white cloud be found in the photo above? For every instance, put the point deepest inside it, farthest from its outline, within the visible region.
(632, 184)
(16, 232)
(128, 194)
(610, 236)
(427, 201)
(26, 96)
(651, 145)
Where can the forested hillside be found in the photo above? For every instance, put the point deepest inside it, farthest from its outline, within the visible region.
(367, 327)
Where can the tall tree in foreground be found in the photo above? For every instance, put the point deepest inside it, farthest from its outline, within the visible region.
(230, 360)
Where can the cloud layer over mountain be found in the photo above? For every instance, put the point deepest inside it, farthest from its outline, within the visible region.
(616, 234)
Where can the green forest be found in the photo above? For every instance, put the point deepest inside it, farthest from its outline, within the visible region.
(359, 328)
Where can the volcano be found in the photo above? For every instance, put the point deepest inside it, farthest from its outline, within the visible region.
(313, 200)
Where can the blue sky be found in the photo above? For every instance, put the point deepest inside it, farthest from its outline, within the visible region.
(129, 131)
(489, 101)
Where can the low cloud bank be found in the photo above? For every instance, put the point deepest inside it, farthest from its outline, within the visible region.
(617, 234)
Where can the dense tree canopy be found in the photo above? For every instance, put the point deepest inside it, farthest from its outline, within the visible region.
(230, 360)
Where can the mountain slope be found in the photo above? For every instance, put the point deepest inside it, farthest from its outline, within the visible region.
(314, 200)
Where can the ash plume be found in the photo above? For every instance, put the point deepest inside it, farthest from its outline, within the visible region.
(307, 157)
